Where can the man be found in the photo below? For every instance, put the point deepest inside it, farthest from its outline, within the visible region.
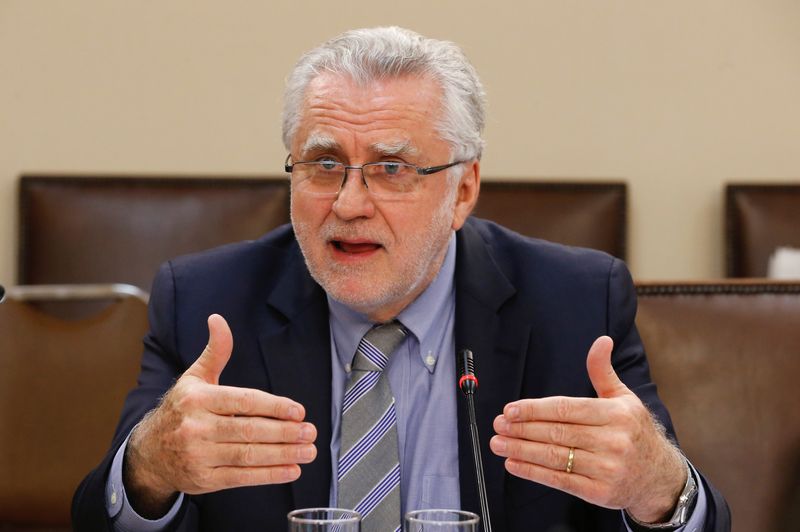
(340, 389)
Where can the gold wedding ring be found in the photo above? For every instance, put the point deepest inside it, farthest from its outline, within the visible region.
(570, 460)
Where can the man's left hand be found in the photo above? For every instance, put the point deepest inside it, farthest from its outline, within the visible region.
(621, 457)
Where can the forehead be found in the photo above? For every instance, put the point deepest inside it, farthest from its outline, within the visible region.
(339, 113)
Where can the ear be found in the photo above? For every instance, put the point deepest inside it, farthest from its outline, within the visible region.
(467, 194)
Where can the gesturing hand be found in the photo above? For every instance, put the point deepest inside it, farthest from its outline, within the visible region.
(620, 456)
(204, 437)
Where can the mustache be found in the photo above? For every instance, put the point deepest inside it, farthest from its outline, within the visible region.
(351, 231)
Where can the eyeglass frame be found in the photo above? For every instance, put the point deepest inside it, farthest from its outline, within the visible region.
(423, 171)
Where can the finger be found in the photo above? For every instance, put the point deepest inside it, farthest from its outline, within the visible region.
(601, 372)
(262, 454)
(233, 477)
(246, 429)
(215, 356)
(572, 483)
(554, 457)
(579, 410)
(230, 400)
(564, 434)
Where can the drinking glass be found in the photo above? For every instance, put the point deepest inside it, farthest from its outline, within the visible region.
(441, 521)
(324, 520)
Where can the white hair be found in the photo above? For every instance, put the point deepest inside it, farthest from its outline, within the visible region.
(373, 54)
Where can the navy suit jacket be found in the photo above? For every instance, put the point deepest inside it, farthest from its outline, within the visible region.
(528, 309)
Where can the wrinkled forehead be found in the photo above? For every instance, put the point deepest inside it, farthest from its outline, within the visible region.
(328, 85)
(396, 114)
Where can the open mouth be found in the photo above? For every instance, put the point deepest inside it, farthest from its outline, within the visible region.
(355, 247)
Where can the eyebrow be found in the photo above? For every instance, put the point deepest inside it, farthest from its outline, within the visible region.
(321, 142)
(318, 142)
(386, 149)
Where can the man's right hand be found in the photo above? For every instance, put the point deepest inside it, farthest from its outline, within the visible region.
(204, 437)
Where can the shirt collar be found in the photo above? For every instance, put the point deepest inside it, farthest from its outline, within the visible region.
(421, 317)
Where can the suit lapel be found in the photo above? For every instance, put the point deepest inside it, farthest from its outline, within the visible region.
(296, 350)
(498, 343)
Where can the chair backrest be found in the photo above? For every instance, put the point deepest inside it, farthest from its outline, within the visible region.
(726, 357)
(62, 385)
(119, 229)
(758, 219)
(111, 229)
(579, 214)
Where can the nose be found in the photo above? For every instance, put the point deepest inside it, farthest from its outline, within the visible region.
(353, 200)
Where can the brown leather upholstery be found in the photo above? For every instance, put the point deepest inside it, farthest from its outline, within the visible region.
(118, 230)
(726, 357)
(759, 218)
(579, 214)
(62, 385)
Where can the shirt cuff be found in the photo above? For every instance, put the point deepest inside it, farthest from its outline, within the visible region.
(698, 516)
(119, 508)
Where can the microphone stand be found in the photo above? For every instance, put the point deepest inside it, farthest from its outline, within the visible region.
(468, 383)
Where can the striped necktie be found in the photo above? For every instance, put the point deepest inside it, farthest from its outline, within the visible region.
(369, 468)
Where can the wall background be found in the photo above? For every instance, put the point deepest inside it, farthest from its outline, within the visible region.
(675, 97)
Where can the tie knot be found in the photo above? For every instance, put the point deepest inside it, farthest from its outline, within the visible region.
(375, 348)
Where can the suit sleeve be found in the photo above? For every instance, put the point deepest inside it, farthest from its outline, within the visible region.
(160, 367)
(631, 364)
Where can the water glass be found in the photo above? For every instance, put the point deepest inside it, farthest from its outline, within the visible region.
(441, 521)
(324, 520)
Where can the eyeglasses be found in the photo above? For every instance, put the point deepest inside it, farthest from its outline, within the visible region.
(388, 179)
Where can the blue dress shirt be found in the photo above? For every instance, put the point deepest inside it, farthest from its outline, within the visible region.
(422, 376)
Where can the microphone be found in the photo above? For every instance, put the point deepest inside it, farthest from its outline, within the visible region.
(468, 383)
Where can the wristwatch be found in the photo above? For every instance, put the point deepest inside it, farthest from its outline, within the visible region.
(682, 511)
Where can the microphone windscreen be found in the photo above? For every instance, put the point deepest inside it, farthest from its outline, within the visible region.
(467, 382)
(466, 365)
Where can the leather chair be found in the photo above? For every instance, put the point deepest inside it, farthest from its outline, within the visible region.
(758, 219)
(726, 356)
(62, 385)
(119, 229)
(579, 214)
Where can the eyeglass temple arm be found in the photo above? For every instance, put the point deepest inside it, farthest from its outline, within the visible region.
(433, 169)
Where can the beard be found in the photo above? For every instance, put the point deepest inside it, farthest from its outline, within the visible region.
(415, 259)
